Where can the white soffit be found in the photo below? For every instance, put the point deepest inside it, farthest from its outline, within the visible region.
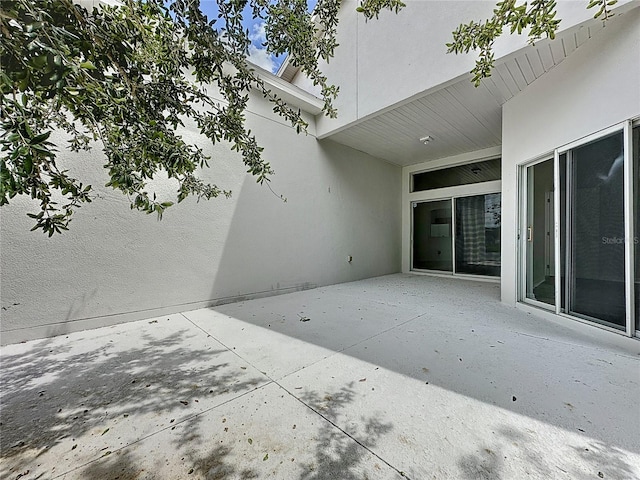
(459, 117)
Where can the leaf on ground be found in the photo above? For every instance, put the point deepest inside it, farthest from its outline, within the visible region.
(105, 431)
(266, 457)
(184, 402)
(108, 452)
(425, 369)
(74, 447)
(304, 319)
(362, 380)
(250, 441)
(153, 321)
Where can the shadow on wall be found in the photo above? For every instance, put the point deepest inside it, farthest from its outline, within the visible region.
(137, 405)
(339, 203)
(116, 265)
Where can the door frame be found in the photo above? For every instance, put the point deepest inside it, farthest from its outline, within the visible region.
(487, 188)
(626, 128)
(523, 233)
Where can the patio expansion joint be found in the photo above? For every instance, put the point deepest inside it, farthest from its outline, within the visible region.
(386, 330)
(319, 414)
(345, 433)
(269, 381)
(227, 347)
(344, 349)
(168, 427)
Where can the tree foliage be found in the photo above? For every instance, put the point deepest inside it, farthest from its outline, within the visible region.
(129, 76)
(538, 18)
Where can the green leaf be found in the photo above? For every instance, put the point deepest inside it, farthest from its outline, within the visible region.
(88, 65)
(28, 164)
(39, 138)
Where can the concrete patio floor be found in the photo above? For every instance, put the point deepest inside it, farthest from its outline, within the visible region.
(395, 376)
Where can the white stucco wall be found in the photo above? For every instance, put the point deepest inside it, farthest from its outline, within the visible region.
(385, 61)
(117, 265)
(595, 87)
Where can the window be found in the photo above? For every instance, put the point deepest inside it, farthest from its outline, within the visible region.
(478, 172)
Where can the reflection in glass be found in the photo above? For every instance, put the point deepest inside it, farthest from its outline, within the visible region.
(466, 174)
(432, 243)
(636, 209)
(563, 236)
(539, 233)
(478, 220)
(596, 237)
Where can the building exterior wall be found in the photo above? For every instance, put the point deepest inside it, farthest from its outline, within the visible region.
(118, 265)
(389, 60)
(596, 87)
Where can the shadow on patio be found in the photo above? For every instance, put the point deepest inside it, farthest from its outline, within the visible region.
(394, 376)
(497, 383)
(161, 399)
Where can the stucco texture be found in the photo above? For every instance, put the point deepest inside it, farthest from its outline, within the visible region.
(594, 88)
(117, 265)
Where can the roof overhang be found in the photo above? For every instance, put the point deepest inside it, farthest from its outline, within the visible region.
(458, 117)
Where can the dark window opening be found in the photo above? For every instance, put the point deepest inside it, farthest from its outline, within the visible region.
(485, 171)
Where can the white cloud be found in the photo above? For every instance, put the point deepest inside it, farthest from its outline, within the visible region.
(258, 55)
(262, 59)
(258, 33)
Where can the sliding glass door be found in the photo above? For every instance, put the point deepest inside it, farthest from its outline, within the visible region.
(471, 247)
(636, 209)
(540, 250)
(579, 236)
(594, 229)
(432, 233)
(478, 234)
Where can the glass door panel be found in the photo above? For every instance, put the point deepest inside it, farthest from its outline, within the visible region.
(478, 220)
(636, 209)
(596, 281)
(432, 241)
(540, 245)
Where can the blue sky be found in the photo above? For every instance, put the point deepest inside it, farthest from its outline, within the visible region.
(257, 52)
